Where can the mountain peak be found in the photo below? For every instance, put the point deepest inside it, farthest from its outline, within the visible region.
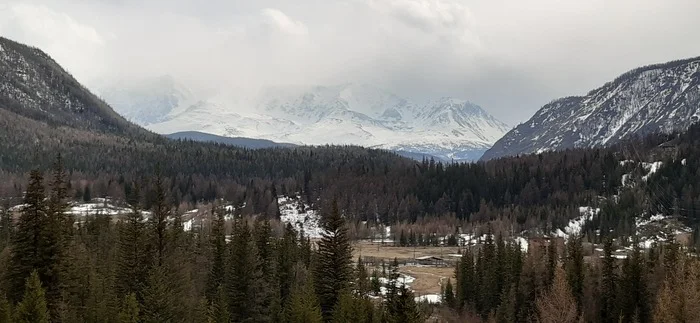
(655, 98)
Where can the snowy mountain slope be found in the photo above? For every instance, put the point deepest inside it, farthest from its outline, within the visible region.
(348, 114)
(664, 97)
(34, 86)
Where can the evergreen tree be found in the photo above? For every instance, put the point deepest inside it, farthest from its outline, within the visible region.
(217, 249)
(349, 309)
(635, 301)
(448, 295)
(303, 306)
(28, 252)
(133, 258)
(218, 310)
(552, 258)
(129, 312)
(608, 286)
(7, 227)
(375, 284)
(158, 221)
(5, 310)
(334, 268)
(362, 286)
(287, 257)
(574, 268)
(244, 276)
(32, 308)
(402, 307)
(159, 305)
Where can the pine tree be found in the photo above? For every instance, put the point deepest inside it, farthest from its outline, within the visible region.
(7, 227)
(5, 310)
(574, 268)
(402, 307)
(507, 310)
(218, 308)
(159, 305)
(133, 257)
(362, 285)
(551, 261)
(448, 295)
(28, 247)
(32, 308)
(217, 249)
(608, 287)
(375, 284)
(349, 309)
(333, 273)
(244, 276)
(287, 257)
(129, 312)
(158, 221)
(633, 290)
(303, 305)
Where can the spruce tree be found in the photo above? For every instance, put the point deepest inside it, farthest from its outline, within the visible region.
(362, 284)
(608, 286)
(7, 227)
(217, 249)
(333, 272)
(402, 307)
(28, 252)
(158, 221)
(32, 308)
(635, 301)
(218, 308)
(159, 305)
(349, 309)
(244, 276)
(303, 305)
(574, 268)
(129, 312)
(133, 258)
(448, 295)
(5, 310)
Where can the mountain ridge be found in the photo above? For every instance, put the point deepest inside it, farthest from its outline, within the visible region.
(660, 97)
(346, 114)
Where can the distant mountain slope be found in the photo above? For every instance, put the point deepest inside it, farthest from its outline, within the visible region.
(663, 97)
(231, 141)
(347, 114)
(33, 85)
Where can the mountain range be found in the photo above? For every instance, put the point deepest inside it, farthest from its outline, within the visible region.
(347, 114)
(656, 98)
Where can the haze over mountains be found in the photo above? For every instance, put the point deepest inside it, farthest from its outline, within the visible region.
(347, 114)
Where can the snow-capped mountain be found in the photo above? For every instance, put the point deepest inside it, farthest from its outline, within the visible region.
(657, 98)
(348, 114)
(146, 101)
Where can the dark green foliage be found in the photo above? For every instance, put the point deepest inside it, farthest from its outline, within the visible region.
(303, 306)
(608, 286)
(635, 301)
(449, 295)
(32, 308)
(218, 308)
(159, 303)
(5, 310)
(133, 257)
(574, 268)
(129, 312)
(244, 277)
(217, 249)
(333, 272)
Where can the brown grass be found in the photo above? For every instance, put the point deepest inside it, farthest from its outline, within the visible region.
(428, 279)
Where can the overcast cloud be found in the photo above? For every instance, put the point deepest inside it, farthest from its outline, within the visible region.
(510, 56)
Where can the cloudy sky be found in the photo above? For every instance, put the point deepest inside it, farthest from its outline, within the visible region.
(510, 56)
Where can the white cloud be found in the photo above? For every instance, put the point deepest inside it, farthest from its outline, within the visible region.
(278, 20)
(509, 56)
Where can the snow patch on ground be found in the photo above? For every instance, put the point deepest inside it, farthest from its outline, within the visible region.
(651, 169)
(98, 206)
(307, 220)
(429, 298)
(575, 225)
